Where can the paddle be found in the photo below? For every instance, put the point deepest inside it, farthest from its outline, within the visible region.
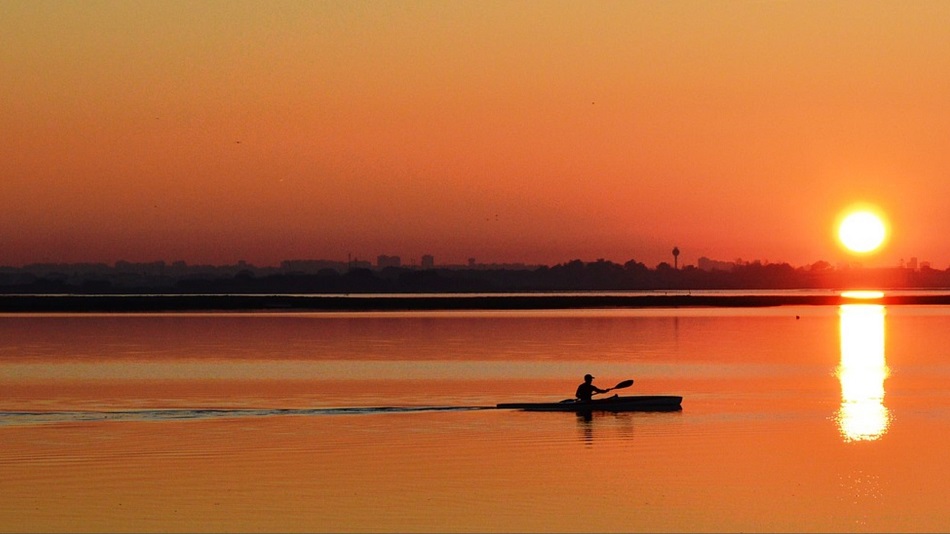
(621, 385)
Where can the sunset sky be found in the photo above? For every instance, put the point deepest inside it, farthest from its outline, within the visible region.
(517, 131)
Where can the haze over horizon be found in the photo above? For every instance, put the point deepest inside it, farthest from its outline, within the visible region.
(213, 132)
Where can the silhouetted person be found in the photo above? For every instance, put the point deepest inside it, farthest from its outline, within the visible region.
(586, 390)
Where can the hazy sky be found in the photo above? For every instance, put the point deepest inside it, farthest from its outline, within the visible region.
(518, 131)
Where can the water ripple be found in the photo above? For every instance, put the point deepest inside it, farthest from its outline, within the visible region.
(28, 418)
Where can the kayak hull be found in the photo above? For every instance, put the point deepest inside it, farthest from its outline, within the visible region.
(637, 403)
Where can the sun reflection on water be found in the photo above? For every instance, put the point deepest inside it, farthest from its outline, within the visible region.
(862, 416)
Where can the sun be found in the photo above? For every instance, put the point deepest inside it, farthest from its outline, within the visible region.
(862, 231)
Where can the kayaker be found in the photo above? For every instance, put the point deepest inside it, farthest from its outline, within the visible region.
(586, 390)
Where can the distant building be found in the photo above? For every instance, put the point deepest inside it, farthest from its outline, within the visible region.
(428, 262)
(707, 264)
(312, 266)
(471, 262)
(150, 268)
(383, 261)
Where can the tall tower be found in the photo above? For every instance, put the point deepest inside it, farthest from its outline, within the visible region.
(676, 255)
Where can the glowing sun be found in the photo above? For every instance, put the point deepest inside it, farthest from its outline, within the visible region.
(862, 231)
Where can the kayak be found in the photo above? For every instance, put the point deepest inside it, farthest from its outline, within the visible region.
(636, 403)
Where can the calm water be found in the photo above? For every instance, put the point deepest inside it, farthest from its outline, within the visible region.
(794, 419)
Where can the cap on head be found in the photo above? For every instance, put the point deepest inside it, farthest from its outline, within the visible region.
(588, 377)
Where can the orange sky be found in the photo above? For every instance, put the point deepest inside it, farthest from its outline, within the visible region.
(216, 131)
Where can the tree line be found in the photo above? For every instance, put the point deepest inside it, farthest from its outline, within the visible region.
(575, 275)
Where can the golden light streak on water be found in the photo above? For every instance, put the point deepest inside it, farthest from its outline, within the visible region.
(862, 371)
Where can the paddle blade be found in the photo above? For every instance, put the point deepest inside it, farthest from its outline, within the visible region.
(624, 384)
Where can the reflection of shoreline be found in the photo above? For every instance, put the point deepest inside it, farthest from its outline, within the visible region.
(429, 301)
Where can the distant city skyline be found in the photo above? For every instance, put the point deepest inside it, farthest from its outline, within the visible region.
(389, 276)
(431, 261)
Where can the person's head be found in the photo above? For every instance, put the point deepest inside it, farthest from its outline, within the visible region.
(588, 378)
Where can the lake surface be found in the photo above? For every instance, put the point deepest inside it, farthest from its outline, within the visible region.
(812, 418)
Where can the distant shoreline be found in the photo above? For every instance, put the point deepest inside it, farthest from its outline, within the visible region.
(428, 302)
